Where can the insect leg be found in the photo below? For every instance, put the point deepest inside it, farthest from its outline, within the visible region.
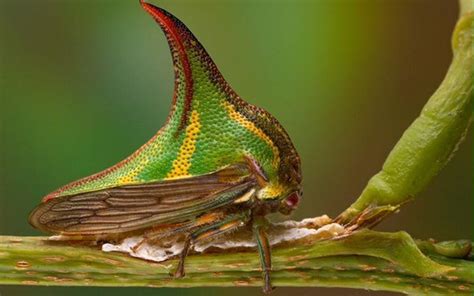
(179, 273)
(264, 251)
(208, 232)
(160, 232)
(153, 234)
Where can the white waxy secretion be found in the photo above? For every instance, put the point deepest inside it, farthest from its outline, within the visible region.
(317, 228)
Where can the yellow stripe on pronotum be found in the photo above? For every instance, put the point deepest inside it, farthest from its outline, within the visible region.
(272, 191)
(182, 163)
(132, 176)
(233, 114)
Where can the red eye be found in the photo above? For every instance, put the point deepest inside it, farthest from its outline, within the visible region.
(293, 200)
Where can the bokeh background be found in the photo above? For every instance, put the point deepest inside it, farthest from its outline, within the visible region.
(84, 83)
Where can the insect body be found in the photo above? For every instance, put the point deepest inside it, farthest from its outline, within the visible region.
(219, 163)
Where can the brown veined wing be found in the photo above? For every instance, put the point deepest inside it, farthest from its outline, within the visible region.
(125, 209)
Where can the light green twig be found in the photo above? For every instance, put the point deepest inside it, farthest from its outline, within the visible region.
(365, 259)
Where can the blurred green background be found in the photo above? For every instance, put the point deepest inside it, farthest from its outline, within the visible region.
(85, 83)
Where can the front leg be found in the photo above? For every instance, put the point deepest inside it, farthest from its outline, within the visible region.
(264, 250)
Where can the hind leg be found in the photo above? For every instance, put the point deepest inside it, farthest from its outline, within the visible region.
(208, 232)
(162, 231)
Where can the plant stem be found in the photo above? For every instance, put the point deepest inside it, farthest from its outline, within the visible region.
(430, 141)
(366, 259)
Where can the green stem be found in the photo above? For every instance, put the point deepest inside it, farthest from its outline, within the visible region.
(465, 6)
(366, 259)
(430, 141)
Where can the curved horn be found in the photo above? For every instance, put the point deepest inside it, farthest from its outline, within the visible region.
(193, 66)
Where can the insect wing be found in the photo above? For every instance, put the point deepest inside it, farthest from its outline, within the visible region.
(130, 208)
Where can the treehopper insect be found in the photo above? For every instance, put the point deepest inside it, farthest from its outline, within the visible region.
(217, 165)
